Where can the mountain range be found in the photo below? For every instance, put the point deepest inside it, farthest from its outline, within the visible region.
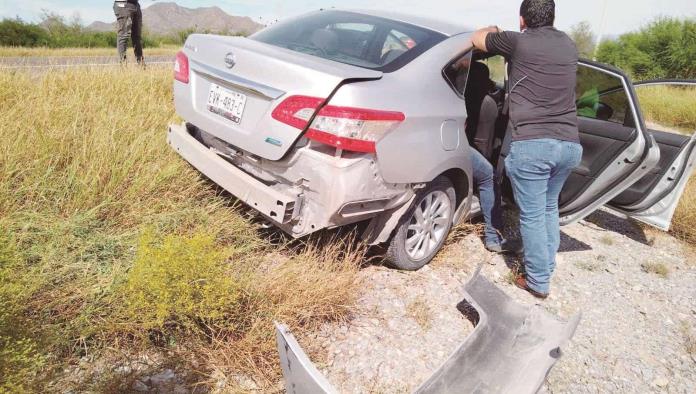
(170, 18)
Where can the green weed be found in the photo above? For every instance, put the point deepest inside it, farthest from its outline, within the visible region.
(180, 281)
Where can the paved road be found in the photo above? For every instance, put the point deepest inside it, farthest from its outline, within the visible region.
(73, 61)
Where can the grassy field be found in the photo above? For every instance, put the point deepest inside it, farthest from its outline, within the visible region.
(111, 246)
(672, 107)
(47, 52)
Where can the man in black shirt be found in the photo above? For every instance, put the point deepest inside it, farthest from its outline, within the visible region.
(130, 25)
(545, 143)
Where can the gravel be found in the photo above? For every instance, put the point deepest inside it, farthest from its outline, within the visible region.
(634, 335)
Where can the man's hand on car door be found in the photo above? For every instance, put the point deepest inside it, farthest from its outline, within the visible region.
(478, 38)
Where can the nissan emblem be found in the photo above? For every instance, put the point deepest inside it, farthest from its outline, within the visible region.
(230, 60)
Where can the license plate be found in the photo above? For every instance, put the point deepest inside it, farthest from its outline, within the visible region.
(226, 103)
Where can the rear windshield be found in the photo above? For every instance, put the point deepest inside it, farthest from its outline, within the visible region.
(351, 38)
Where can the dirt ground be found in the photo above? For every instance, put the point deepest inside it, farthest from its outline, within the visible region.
(635, 287)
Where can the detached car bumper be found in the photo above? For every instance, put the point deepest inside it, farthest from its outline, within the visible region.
(273, 204)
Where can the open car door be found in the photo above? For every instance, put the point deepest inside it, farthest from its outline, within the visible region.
(654, 198)
(618, 150)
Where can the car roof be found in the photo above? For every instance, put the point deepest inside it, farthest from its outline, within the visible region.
(438, 25)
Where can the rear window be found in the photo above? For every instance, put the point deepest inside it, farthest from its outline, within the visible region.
(351, 38)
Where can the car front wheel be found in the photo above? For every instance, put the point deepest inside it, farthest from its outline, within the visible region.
(424, 228)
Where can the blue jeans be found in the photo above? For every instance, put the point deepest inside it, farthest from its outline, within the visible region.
(537, 170)
(489, 197)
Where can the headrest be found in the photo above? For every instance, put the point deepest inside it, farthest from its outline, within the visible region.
(325, 40)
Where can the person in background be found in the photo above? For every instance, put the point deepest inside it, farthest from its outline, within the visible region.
(129, 19)
(545, 140)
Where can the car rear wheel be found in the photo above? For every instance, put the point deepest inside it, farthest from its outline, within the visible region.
(424, 228)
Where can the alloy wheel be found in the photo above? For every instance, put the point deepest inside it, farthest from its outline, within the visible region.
(428, 225)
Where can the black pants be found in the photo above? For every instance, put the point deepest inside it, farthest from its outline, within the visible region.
(130, 25)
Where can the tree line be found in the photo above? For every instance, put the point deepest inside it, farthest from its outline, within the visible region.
(665, 48)
(54, 31)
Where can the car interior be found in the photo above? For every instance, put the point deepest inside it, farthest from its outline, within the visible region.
(484, 99)
(606, 124)
(671, 145)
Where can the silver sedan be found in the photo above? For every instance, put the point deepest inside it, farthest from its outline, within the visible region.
(338, 117)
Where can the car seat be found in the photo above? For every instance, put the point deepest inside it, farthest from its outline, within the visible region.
(482, 109)
(325, 40)
(485, 129)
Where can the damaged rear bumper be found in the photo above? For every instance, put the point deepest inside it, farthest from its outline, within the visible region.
(305, 192)
(273, 204)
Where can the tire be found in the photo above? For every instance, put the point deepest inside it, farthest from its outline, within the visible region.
(415, 242)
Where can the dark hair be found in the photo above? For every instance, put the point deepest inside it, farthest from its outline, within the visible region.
(538, 13)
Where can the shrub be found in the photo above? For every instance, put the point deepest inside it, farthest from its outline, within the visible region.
(666, 48)
(584, 38)
(15, 32)
(180, 281)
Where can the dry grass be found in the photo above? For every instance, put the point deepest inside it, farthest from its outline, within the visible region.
(419, 311)
(689, 339)
(606, 240)
(671, 107)
(684, 222)
(655, 268)
(84, 172)
(591, 266)
(61, 52)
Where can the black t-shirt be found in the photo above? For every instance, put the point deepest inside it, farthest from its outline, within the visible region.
(543, 73)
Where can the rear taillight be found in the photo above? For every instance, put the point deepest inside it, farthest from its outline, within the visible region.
(297, 110)
(347, 128)
(353, 129)
(181, 67)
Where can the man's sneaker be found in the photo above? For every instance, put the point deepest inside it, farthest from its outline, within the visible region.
(506, 247)
(521, 282)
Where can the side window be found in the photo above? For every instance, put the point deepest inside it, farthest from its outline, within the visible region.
(668, 107)
(456, 73)
(600, 95)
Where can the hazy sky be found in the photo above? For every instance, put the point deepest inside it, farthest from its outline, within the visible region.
(621, 15)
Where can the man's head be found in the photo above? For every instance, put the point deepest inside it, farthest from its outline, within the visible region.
(537, 13)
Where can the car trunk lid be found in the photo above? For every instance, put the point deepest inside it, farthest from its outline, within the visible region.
(248, 80)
